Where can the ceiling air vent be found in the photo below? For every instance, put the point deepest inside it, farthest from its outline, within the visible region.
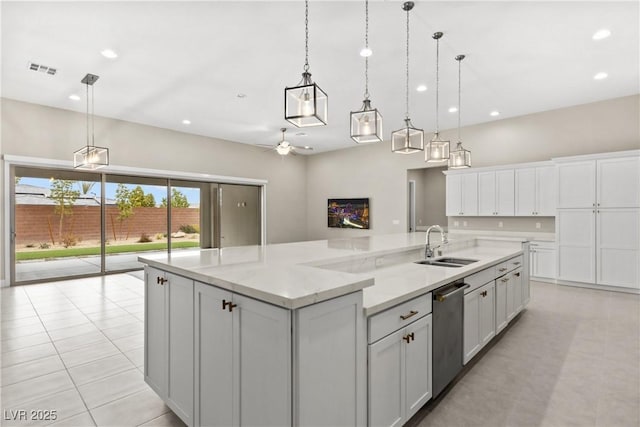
(43, 69)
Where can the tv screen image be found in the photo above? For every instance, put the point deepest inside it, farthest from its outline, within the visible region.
(348, 213)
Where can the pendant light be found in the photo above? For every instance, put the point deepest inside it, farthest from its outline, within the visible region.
(366, 123)
(408, 139)
(90, 156)
(437, 150)
(306, 104)
(460, 158)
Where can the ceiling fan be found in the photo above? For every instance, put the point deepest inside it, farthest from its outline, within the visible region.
(284, 147)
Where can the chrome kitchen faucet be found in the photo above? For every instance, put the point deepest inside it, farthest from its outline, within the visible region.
(428, 250)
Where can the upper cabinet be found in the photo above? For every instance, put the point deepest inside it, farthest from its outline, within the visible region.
(462, 194)
(604, 183)
(535, 191)
(496, 193)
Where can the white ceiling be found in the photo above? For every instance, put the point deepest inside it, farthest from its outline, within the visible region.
(189, 60)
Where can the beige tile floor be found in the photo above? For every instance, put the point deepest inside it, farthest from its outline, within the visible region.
(572, 358)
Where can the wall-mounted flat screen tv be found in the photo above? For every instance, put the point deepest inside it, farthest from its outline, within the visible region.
(348, 213)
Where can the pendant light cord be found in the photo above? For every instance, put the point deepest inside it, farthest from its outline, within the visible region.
(87, 98)
(93, 117)
(366, 46)
(407, 72)
(437, 84)
(306, 36)
(459, 96)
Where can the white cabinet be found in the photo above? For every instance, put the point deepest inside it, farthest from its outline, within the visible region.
(496, 193)
(603, 183)
(400, 374)
(510, 297)
(243, 371)
(597, 226)
(618, 247)
(535, 193)
(501, 304)
(543, 259)
(169, 340)
(462, 194)
(479, 320)
(155, 354)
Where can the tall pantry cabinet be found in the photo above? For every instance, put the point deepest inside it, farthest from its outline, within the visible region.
(598, 219)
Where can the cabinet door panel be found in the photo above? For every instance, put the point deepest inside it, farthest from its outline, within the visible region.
(155, 362)
(618, 251)
(418, 365)
(386, 381)
(577, 185)
(544, 263)
(525, 183)
(333, 360)
(516, 282)
(505, 192)
(510, 291)
(454, 195)
(180, 309)
(471, 336)
(487, 314)
(264, 333)
(546, 194)
(501, 305)
(214, 357)
(575, 232)
(470, 194)
(619, 183)
(487, 193)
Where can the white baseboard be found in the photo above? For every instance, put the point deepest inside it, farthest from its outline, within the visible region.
(543, 279)
(599, 287)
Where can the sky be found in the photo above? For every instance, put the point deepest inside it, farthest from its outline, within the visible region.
(193, 194)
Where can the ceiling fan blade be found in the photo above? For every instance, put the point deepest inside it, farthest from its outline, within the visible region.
(265, 146)
(299, 147)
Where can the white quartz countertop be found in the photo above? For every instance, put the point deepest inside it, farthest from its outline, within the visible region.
(295, 275)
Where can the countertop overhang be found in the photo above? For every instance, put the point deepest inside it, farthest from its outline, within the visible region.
(294, 275)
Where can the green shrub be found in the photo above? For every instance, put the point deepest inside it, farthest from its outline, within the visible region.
(144, 238)
(189, 229)
(159, 236)
(44, 245)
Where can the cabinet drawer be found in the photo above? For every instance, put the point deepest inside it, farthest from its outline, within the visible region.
(382, 324)
(509, 265)
(480, 278)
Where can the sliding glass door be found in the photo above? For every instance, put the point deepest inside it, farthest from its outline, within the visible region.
(56, 224)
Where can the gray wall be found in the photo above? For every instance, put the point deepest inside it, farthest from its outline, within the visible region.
(38, 131)
(373, 171)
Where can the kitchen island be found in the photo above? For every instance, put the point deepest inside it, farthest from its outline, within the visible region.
(281, 334)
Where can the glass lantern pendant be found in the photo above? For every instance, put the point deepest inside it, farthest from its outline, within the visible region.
(409, 139)
(437, 150)
(460, 158)
(366, 123)
(306, 104)
(90, 156)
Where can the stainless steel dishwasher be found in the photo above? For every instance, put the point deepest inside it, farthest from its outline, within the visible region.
(447, 334)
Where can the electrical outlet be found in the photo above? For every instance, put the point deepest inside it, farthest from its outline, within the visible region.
(456, 223)
(499, 224)
(420, 221)
(395, 222)
(538, 225)
(464, 223)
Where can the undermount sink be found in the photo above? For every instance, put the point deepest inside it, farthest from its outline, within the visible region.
(447, 262)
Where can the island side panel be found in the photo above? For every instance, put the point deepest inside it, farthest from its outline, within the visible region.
(329, 372)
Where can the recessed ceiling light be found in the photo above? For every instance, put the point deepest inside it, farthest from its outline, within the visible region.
(186, 122)
(109, 53)
(421, 88)
(601, 34)
(494, 113)
(241, 95)
(301, 134)
(306, 147)
(366, 52)
(74, 97)
(453, 109)
(600, 76)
